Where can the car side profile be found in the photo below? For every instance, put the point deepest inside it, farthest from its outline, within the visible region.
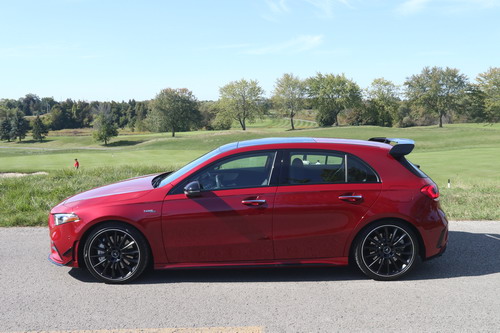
(264, 202)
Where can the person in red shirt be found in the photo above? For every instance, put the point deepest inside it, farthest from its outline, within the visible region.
(77, 164)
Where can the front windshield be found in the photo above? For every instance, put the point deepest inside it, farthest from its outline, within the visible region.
(173, 176)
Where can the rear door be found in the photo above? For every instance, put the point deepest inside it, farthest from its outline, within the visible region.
(321, 197)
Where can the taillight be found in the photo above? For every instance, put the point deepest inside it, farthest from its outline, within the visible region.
(431, 191)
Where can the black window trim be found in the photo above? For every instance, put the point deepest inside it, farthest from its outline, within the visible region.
(273, 181)
(414, 169)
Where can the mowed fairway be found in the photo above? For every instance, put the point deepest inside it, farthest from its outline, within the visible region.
(466, 154)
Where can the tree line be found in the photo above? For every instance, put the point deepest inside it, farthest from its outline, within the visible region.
(434, 96)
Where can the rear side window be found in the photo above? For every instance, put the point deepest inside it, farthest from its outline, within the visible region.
(324, 167)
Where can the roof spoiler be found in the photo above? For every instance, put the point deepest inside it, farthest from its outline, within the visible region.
(401, 148)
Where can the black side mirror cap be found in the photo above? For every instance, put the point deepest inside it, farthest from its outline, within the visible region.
(193, 189)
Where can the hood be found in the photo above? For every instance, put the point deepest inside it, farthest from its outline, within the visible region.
(127, 189)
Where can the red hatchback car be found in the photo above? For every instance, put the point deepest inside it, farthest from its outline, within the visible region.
(265, 202)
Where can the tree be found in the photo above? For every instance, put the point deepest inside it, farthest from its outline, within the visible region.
(10, 103)
(39, 131)
(289, 94)
(46, 104)
(82, 115)
(30, 104)
(5, 128)
(142, 111)
(383, 99)
(18, 126)
(104, 125)
(489, 84)
(242, 100)
(473, 104)
(176, 109)
(212, 117)
(60, 118)
(333, 94)
(437, 90)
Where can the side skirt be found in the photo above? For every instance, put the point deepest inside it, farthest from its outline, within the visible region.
(340, 261)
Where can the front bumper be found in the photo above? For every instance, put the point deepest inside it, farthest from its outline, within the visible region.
(63, 243)
(65, 259)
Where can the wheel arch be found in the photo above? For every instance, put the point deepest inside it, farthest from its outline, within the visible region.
(421, 244)
(83, 239)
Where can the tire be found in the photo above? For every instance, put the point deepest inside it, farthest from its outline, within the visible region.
(116, 253)
(386, 250)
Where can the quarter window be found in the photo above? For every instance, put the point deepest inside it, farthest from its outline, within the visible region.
(359, 172)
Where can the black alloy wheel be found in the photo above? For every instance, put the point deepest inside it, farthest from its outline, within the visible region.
(116, 253)
(387, 251)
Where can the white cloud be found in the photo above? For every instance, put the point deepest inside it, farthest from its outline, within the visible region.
(299, 44)
(325, 7)
(482, 3)
(321, 8)
(277, 7)
(448, 6)
(412, 6)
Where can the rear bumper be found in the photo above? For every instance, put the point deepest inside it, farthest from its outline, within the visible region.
(436, 235)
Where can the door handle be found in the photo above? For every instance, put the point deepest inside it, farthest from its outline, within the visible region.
(351, 198)
(253, 202)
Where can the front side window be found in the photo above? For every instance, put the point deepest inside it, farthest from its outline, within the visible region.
(242, 171)
(324, 167)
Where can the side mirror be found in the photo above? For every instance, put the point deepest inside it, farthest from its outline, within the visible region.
(193, 189)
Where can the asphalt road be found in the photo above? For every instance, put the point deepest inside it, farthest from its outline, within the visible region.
(459, 291)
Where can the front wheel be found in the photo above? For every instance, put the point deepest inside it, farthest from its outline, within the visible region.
(116, 253)
(386, 250)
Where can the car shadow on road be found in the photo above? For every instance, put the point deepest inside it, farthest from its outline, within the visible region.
(468, 254)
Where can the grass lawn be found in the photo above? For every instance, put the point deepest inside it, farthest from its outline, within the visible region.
(467, 154)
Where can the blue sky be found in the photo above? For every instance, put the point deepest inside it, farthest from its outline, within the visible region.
(119, 50)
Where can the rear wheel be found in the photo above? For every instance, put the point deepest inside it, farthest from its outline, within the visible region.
(386, 250)
(116, 253)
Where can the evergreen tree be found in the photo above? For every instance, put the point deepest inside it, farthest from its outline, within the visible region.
(39, 130)
(5, 129)
(19, 126)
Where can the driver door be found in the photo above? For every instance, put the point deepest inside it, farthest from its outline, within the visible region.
(230, 219)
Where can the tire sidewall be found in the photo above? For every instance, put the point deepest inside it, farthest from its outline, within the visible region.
(135, 234)
(358, 249)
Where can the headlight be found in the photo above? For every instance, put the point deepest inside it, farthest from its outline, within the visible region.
(65, 218)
